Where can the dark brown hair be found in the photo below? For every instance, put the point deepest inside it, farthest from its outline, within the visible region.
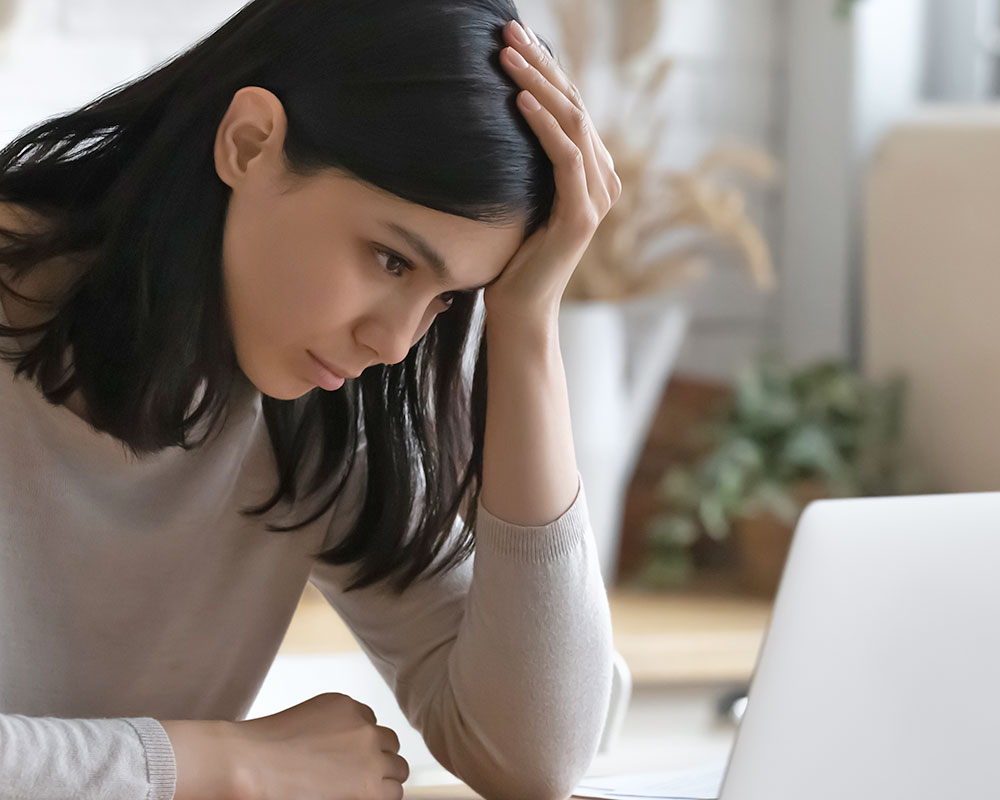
(412, 100)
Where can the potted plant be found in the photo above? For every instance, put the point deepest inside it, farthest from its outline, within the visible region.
(785, 437)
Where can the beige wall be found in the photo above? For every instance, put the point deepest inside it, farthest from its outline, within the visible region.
(932, 279)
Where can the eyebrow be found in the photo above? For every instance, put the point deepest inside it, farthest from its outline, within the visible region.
(433, 257)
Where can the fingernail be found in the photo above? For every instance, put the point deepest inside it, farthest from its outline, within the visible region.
(516, 58)
(529, 101)
(519, 32)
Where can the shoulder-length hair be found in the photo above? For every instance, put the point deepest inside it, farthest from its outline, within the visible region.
(410, 98)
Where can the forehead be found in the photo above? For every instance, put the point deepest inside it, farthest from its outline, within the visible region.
(457, 249)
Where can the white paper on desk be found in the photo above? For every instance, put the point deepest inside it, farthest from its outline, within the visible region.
(695, 783)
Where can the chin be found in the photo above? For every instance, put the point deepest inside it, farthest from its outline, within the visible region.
(278, 387)
(290, 395)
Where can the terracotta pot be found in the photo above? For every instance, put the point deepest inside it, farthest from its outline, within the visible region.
(763, 543)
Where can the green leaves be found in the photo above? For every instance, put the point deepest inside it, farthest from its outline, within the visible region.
(812, 450)
(821, 425)
(667, 532)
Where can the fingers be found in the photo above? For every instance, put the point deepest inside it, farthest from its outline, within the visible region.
(396, 768)
(537, 55)
(548, 66)
(573, 119)
(388, 738)
(600, 149)
(395, 772)
(570, 90)
(535, 70)
(367, 712)
(572, 197)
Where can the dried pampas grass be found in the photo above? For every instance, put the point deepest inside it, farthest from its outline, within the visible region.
(636, 24)
(655, 202)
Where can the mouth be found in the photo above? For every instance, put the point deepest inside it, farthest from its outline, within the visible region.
(325, 375)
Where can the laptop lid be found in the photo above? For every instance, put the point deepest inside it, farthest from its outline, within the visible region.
(878, 675)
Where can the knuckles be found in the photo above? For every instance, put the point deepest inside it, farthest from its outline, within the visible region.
(616, 188)
(580, 121)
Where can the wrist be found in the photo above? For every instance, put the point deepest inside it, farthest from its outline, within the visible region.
(536, 318)
(524, 335)
(208, 766)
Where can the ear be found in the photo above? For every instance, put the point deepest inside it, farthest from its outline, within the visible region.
(250, 136)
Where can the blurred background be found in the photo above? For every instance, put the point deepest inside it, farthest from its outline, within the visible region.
(793, 299)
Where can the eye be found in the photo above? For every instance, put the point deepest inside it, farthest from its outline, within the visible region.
(398, 259)
(403, 265)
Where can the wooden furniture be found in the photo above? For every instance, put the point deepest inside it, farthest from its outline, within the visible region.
(447, 792)
(456, 792)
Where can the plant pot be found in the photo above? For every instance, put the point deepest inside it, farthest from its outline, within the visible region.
(763, 542)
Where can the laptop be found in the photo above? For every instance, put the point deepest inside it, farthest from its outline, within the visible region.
(877, 677)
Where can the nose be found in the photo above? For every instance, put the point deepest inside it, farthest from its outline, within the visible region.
(393, 330)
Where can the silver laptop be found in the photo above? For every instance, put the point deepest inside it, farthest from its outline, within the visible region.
(879, 676)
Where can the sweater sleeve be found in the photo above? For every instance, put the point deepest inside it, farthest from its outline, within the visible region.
(51, 758)
(503, 664)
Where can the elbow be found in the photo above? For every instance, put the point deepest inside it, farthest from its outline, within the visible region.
(549, 786)
(539, 748)
(527, 785)
(546, 772)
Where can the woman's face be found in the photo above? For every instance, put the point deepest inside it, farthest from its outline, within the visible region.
(317, 267)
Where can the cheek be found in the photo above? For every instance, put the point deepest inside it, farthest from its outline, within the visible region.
(252, 261)
(282, 289)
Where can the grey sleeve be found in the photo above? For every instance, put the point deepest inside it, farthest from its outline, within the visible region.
(51, 758)
(504, 663)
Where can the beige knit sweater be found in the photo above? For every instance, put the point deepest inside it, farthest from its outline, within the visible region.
(133, 590)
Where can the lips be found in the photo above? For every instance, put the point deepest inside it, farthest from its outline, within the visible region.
(333, 368)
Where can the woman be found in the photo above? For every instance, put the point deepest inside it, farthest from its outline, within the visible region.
(188, 260)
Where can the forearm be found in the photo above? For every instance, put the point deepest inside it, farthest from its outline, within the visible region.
(530, 672)
(529, 463)
(554, 693)
(58, 758)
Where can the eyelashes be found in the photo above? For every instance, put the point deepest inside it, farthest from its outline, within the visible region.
(404, 265)
(390, 256)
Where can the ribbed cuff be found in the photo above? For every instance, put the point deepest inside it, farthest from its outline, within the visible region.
(535, 544)
(161, 765)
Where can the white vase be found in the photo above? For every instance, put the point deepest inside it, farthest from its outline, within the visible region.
(618, 357)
